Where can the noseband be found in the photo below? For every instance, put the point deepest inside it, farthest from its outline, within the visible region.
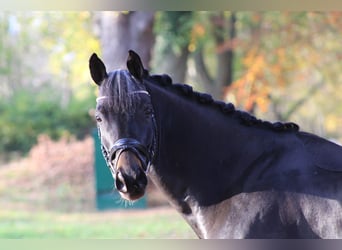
(144, 154)
(129, 144)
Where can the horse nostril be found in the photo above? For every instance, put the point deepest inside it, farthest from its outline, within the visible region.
(120, 183)
(136, 187)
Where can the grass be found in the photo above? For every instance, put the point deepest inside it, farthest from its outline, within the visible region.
(147, 224)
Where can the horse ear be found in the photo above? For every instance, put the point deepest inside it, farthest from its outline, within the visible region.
(97, 69)
(134, 65)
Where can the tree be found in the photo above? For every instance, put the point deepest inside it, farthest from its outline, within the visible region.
(222, 32)
(15, 53)
(44, 76)
(288, 60)
(173, 31)
(119, 32)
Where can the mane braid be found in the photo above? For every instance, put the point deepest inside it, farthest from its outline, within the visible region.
(226, 108)
(118, 87)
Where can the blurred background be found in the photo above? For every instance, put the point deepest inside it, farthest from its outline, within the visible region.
(279, 66)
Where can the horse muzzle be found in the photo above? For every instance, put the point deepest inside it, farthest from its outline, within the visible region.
(130, 177)
(128, 161)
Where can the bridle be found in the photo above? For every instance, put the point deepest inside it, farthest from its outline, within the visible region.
(144, 153)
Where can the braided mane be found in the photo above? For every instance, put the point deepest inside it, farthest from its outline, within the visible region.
(226, 108)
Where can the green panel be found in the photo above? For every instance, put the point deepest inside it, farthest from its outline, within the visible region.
(106, 196)
(104, 180)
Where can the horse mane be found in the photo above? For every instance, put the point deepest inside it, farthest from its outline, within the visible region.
(119, 86)
(226, 108)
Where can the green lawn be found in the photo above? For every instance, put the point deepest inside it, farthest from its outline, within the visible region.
(114, 225)
(147, 224)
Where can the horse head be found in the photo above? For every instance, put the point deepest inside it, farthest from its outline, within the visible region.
(126, 125)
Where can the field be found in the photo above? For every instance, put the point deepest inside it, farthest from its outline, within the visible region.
(50, 194)
(145, 224)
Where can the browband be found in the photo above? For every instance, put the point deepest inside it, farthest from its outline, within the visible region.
(134, 92)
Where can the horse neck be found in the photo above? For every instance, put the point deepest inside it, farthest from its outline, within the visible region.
(201, 150)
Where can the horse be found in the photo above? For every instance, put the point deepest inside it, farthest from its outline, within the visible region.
(228, 173)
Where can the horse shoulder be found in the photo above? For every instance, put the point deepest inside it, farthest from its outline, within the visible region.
(233, 218)
(324, 216)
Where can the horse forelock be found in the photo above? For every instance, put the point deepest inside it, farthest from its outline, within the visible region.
(117, 89)
(226, 108)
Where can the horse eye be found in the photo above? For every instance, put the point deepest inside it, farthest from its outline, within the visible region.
(148, 110)
(98, 119)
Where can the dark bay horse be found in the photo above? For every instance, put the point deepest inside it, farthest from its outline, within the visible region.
(228, 173)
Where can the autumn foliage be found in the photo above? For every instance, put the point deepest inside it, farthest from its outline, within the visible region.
(287, 61)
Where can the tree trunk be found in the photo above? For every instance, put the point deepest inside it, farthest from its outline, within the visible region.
(120, 32)
(224, 34)
(175, 65)
(172, 51)
(225, 53)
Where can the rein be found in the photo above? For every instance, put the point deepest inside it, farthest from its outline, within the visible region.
(145, 154)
